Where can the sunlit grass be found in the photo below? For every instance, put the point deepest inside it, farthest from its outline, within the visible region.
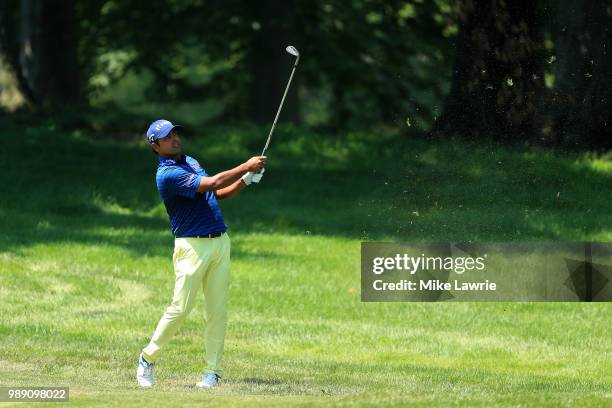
(85, 261)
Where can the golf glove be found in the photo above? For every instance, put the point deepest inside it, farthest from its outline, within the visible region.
(251, 177)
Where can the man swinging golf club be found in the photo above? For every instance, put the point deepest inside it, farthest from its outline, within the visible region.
(201, 247)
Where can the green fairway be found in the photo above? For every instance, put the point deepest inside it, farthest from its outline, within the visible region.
(86, 272)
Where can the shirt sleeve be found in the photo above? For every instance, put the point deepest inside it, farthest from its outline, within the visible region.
(180, 182)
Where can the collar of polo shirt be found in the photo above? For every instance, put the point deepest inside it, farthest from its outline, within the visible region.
(167, 161)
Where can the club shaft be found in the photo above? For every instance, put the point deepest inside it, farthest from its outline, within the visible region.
(263, 153)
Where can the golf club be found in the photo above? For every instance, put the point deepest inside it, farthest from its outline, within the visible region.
(293, 51)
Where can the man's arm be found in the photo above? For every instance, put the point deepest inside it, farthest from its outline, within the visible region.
(231, 191)
(229, 177)
(246, 180)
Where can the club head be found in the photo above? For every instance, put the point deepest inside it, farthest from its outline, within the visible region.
(292, 50)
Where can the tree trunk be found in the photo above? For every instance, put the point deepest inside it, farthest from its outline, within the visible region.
(30, 45)
(46, 63)
(582, 91)
(497, 79)
(271, 65)
(10, 46)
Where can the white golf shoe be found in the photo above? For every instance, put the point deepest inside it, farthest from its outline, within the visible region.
(144, 373)
(209, 380)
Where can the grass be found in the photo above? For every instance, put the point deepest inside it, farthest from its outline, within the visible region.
(85, 261)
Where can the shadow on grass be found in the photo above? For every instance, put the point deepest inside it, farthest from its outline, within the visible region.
(79, 190)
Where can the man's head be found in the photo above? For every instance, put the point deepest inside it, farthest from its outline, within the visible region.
(163, 138)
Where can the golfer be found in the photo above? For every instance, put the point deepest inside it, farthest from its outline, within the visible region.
(201, 246)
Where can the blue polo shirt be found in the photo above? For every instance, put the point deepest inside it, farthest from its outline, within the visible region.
(191, 213)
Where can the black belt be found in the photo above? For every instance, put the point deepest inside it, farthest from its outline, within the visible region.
(212, 235)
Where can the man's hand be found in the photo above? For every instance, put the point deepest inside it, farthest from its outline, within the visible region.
(257, 176)
(256, 163)
(229, 177)
(251, 177)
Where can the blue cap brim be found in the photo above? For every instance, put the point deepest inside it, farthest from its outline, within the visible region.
(167, 132)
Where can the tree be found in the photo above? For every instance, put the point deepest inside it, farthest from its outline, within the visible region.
(10, 46)
(269, 64)
(39, 42)
(581, 109)
(497, 81)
